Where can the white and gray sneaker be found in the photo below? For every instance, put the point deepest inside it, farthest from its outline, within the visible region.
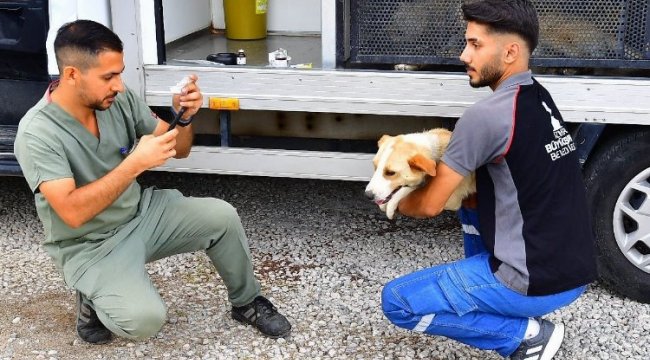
(544, 345)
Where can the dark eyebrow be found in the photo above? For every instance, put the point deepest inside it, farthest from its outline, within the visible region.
(112, 73)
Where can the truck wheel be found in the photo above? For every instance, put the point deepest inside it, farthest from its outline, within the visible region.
(618, 191)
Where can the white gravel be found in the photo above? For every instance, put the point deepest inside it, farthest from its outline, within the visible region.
(322, 252)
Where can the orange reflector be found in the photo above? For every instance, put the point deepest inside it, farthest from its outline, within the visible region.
(224, 103)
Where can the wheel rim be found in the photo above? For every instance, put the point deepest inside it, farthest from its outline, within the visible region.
(632, 221)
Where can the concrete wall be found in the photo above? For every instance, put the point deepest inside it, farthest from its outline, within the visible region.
(282, 16)
(185, 17)
(63, 11)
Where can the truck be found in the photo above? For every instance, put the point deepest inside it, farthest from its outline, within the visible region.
(360, 69)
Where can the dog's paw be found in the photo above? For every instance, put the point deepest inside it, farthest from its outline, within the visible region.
(391, 210)
(382, 207)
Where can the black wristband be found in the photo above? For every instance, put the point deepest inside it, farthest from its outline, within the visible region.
(181, 122)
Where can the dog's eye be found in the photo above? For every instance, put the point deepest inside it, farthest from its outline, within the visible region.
(389, 172)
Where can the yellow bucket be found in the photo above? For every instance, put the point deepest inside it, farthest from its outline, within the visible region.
(245, 19)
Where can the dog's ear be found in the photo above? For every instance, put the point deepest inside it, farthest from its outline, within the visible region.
(383, 139)
(423, 163)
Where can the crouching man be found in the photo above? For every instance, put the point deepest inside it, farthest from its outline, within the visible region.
(529, 245)
(81, 148)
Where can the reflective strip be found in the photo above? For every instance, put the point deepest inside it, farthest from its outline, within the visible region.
(424, 323)
(470, 229)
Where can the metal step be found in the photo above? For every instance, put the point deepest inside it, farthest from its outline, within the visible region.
(7, 137)
(8, 163)
(274, 163)
(245, 161)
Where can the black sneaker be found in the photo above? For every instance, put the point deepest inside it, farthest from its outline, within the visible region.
(544, 345)
(264, 316)
(89, 328)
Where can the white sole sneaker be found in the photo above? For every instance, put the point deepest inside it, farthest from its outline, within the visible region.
(543, 346)
(554, 342)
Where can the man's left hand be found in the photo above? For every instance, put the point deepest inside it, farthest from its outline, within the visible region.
(190, 98)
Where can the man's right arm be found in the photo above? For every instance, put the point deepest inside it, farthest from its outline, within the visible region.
(429, 200)
(77, 205)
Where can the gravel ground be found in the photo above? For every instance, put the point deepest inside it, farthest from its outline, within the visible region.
(322, 253)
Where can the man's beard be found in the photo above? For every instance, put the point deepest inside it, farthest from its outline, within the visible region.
(99, 105)
(489, 75)
(93, 103)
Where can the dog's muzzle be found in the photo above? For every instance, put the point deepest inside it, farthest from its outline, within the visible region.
(371, 196)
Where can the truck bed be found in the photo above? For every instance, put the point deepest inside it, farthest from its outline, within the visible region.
(303, 48)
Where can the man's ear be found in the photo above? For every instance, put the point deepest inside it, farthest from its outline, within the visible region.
(70, 73)
(423, 163)
(513, 52)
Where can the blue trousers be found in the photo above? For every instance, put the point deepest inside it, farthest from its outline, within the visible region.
(463, 300)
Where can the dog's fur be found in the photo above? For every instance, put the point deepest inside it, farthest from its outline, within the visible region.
(404, 162)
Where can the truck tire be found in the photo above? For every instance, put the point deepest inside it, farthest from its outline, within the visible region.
(618, 194)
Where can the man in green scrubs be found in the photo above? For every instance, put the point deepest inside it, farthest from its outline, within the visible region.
(81, 148)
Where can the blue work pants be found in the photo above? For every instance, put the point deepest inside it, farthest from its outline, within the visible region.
(463, 300)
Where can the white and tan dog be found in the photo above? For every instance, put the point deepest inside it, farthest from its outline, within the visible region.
(404, 162)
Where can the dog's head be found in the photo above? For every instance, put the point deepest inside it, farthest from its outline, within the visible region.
(399, 162)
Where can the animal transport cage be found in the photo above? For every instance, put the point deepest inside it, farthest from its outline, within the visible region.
(575, 33)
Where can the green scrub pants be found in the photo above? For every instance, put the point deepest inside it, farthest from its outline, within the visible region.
(118, 285)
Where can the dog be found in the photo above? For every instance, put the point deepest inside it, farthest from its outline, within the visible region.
(404, 162)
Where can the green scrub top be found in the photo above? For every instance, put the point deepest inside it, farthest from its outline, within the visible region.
(50, 144)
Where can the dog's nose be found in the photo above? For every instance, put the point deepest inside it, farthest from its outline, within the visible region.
(370, 195)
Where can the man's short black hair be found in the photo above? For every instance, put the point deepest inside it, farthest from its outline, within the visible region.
(506, 16)
(79, 42)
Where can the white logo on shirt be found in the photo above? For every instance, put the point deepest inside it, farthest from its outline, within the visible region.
(563, 144)
(555, 122)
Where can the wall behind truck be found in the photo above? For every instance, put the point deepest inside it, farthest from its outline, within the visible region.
(187, 17)
(282, 15)
(64, 11)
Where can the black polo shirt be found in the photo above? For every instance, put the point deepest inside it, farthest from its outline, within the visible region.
(532, 206)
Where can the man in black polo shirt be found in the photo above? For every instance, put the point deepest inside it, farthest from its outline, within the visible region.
(528, 241)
